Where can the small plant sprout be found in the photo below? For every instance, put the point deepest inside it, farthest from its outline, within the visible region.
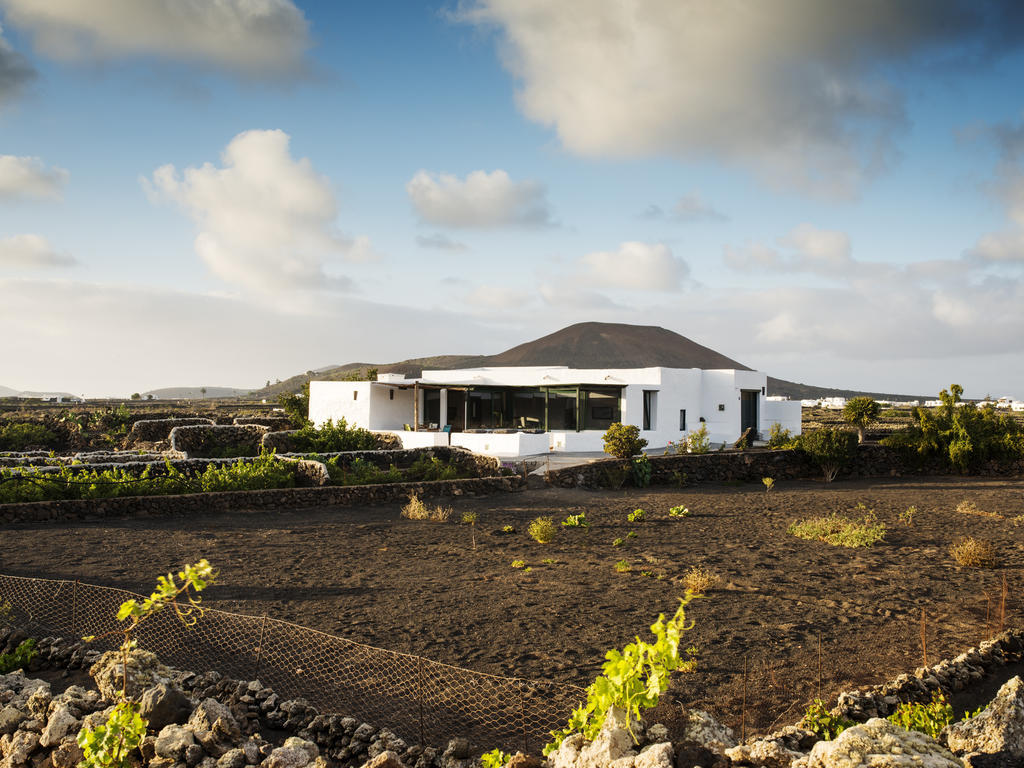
(542, 530)
(469, 518)
(699, 579)
(623, 566)
(631, 535)
(415, 509)
(636, 516)
(548, 561)
(819, 719)
(769, 483)
(111, 745)
(928, 718)
(618, 542)
(518, 564)
(967, 507)
(632, 679)
(907, 516)
(494, 759)
(648, 574)
(508, 529)
(576, 521)
(678, 511)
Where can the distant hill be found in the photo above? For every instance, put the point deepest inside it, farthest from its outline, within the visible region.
(195, 393)
(795, 391)
(583, 345)
(8, 392)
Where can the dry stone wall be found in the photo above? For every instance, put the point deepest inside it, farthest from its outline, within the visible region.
(246, 501)
(752, 465)
(155, 430)
(273, 422)
(218, 439)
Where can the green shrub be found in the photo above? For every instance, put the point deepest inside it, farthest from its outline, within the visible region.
(632, 679)
(332, 438)
(70, 482)
(576, 521)
(623, 566)
(358, 471)
(962, 434)
(698, 440)
(831, 449)
(432, 468)
(623, 440)
(542, 530)
(494, 759)
(678, 511)
(928, 718)
(296, 406)
(637, 516)
(840, 531)
(19, 658)
(26, 435)
(778, 437)
(820, 720)
(641, 468)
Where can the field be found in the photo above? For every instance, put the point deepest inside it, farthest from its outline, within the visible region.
(421, 587)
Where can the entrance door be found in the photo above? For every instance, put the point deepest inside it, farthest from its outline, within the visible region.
(748, 410)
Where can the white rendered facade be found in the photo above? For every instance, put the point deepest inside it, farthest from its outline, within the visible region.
(522, 411)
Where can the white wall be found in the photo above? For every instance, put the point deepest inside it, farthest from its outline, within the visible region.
(334, 400)
(387, 413)
(786, 413)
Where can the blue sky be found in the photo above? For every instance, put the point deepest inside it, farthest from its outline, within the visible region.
(196, 193)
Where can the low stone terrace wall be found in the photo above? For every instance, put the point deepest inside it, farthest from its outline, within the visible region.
(245, 501)
(218, 440)
(154, 430)
(752, 465)
(403, 458)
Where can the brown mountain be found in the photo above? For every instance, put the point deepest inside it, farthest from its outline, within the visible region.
(583, 345)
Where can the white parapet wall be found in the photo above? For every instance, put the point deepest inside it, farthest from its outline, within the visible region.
(503, 445)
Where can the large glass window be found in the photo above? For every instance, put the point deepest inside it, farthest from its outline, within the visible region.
(562, 409)
(650, 409)
(601, 407)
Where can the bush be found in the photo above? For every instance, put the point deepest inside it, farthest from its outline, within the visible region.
(542, 530)
(928, 718)
(637, 516)
(360, 472)
(974, 553)
(19, 658)
(623, 566)
(840, 531)
(432, 468)
(830, 449)
(779, 438)
(25, 436)
(641, 468)
(967, 507)
(623, 440)
(960, 433)
(296, 406)
(820, 720)
(415, 509)
(699, 579)
(698, 440)
(333, 438)
(70, 482)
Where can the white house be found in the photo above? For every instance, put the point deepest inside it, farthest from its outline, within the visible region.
(529, 410)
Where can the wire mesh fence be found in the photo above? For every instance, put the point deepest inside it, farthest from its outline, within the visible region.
(421, 700)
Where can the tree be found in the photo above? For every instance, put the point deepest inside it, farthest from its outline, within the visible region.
(296, 406)
(149, 396)
(860, 412)
(136, 396)
(203, 391)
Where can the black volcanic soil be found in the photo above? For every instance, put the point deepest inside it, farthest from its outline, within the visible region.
(420, 587)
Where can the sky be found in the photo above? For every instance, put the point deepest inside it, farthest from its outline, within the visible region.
(224, 194)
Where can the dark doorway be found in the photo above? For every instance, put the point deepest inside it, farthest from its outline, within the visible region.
(748, 410)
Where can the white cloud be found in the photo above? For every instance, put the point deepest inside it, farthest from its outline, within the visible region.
(809, 249)
(266, 220)
(24, 178)
(1006, 246)
(441, 242)
(253, 38)
(480, 201)
(635, 266)
(31, 251)
(15, 71)
(498, 298)
(794, 89)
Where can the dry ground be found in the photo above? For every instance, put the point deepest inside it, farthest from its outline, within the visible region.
(421, 587)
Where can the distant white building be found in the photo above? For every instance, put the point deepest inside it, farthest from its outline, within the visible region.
(529, 410)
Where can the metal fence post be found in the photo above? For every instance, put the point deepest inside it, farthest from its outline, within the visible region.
(259, 647)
